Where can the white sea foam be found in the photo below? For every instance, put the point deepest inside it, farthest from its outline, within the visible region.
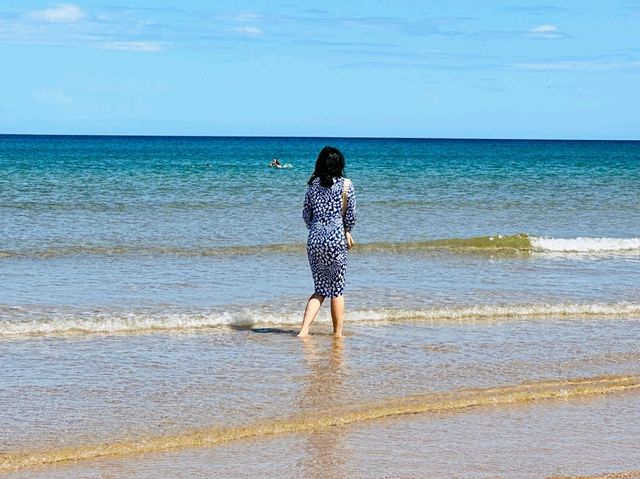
(585, 244)
(58, 324)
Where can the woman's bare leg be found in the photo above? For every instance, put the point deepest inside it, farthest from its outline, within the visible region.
(337, 315)
(310, 313)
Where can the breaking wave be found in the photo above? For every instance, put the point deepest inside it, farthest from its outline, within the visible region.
(518, 243)
(585, 245)
(16, 323)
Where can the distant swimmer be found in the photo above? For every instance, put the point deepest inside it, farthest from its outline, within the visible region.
(275, 163)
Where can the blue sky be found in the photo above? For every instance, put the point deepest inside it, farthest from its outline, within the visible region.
(456, 68)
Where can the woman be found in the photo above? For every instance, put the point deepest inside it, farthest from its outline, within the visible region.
(329, 222)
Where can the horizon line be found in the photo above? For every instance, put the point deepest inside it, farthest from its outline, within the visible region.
(116, 135)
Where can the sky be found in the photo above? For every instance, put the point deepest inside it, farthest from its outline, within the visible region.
(401, 68)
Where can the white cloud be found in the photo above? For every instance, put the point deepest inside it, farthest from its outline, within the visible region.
(547, 28)
(58, 14)
(133, 46)
(247, 30)
(545, 31)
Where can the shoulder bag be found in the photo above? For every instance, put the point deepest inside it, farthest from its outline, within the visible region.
(345, 189)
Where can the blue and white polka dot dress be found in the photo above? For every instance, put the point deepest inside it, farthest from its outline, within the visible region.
(326, 246)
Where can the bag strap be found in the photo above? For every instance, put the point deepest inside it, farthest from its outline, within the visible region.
(345, 189)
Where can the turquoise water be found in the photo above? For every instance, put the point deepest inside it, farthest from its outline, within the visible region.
(201, 229)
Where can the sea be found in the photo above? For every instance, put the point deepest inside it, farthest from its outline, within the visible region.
(151, 289)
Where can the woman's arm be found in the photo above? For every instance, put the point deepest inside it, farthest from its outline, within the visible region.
(307, 211)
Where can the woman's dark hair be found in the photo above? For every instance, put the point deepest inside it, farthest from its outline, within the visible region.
(329, 165)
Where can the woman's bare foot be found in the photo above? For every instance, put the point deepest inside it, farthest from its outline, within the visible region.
(310, 313)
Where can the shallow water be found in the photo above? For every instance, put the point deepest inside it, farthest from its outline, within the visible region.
(535, 440)
(89, 391)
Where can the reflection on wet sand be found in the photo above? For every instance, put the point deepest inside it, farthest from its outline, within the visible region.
(323, 390)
